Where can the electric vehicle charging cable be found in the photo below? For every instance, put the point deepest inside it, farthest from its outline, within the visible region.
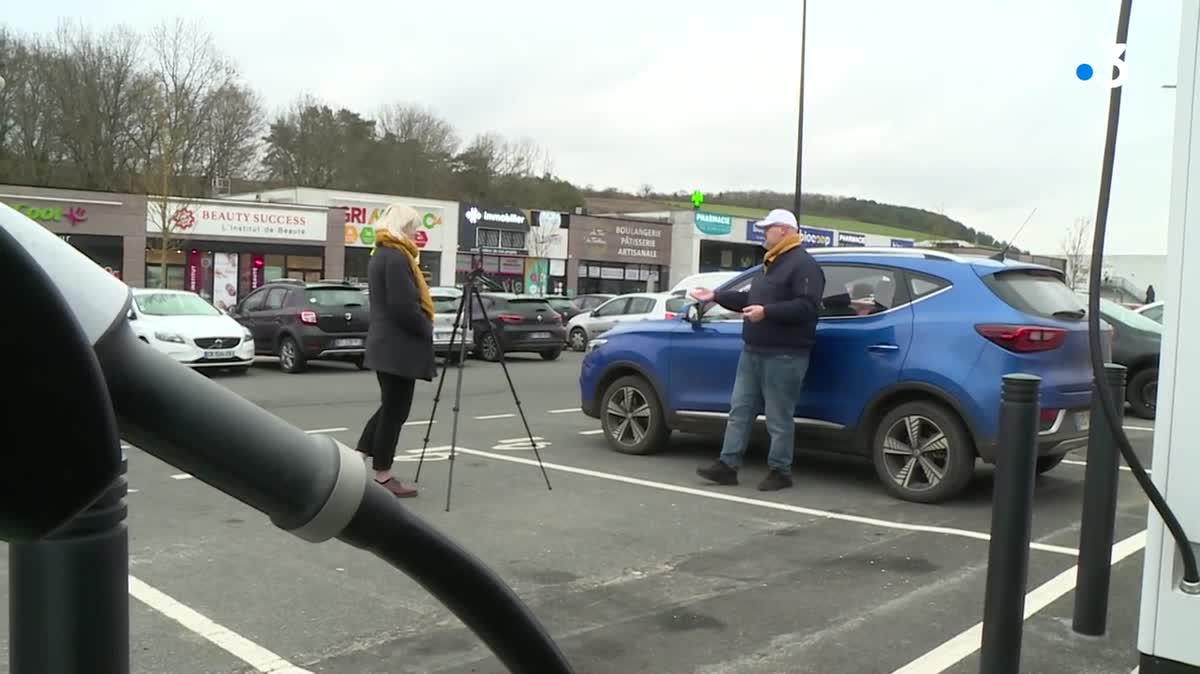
(1191, 575)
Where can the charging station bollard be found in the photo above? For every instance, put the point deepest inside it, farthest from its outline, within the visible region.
(69, 594)
(1098, 523)
(1012, 522)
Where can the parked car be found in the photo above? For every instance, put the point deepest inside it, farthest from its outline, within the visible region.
(1153, 311)
(187, 328)
(708, 279)
(518, 324)
(906, 370)
(302, 322)
(621, 309)
(570, 307)
(445, 306)
(1137, 341)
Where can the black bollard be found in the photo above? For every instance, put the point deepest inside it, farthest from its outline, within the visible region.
(1098, 523)
(1012, 521)
(69, 594)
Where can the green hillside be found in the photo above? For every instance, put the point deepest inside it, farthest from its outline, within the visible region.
(827, 222)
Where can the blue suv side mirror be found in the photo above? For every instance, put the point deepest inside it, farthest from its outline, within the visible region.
(693, 314)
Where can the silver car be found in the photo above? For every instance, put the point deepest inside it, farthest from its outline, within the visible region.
(621, 309)
(445, 308)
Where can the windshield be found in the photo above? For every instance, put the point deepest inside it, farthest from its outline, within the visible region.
(711, 280)
(445, 304)
(174, 304)
(560, 303)
(336, 297)
(1128, 317)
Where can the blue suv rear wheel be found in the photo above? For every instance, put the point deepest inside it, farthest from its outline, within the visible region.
(922, 452)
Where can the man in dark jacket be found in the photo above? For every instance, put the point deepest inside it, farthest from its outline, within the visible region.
(780, 313)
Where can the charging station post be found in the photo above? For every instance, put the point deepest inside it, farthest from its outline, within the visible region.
(1098, 522)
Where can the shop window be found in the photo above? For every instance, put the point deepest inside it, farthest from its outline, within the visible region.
(487, 238)
(306, 262)
(512, 240)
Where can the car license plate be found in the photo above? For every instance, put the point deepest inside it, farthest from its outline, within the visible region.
(337, 343)
(222, 354)
(1083, 420)
(539, 335)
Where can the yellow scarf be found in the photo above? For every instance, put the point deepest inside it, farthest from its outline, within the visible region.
(789, 242)
(386, 239)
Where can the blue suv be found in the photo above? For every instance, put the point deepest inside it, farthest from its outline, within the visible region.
(911, 347)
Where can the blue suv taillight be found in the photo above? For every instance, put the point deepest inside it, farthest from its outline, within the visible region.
(1023, 338)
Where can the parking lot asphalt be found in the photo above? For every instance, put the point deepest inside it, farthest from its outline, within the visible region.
(633, 563)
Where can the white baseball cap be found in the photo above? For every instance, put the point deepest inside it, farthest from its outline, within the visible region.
(779, 216)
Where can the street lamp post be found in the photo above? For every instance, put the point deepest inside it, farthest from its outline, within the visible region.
(800, 126)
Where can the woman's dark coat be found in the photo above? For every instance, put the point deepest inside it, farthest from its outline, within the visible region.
(400, 336)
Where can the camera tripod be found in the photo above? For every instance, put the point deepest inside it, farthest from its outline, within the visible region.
(471, 298)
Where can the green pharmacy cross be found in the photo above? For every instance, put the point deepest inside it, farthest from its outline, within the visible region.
(697, 198)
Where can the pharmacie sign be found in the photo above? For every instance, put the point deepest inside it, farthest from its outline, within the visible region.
(199, 219)
(361, 220)
(56, 214)
(713, 224)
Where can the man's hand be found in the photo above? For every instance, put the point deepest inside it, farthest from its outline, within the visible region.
(703, 294)
(754, 313)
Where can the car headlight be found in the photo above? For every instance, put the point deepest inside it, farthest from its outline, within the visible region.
(169, 337)
(247, 335)
(596, 344)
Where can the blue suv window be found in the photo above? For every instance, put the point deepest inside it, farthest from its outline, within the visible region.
(852, 290)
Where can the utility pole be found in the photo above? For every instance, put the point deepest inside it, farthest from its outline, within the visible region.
(800, 126)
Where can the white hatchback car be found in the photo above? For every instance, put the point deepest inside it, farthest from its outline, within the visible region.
(186, 327)
(621, 309)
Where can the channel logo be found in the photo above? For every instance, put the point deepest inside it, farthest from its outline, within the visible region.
(1115, 59)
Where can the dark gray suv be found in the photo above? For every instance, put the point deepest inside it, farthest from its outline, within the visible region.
(301, 322)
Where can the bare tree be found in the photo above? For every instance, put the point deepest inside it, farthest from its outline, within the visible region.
(192, 82)
(646, 190)
(99, 90)
(233, 130)
(432, 135)
(1076, 247)
(28, 115)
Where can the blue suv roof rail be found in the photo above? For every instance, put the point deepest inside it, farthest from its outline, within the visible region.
(898, 252)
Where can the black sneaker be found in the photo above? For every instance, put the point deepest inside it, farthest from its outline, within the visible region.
(718, 472)
(774, 481)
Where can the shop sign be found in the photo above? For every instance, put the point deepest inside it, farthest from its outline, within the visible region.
(73, 215)
(200, 219)
(623, 241)
(813, 237)
(754, 234)
(902, 243)
(472, 218)
(361, 219)
(851, 239)
(713, 224)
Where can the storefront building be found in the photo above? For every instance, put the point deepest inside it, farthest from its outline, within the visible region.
(617, 256)
(502, 244)
(224, 249)
(703, 242)
(437, 238)
(108, 228)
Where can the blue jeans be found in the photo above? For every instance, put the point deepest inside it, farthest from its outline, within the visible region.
(770, 384)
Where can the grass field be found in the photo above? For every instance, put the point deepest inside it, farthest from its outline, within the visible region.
(814, 221)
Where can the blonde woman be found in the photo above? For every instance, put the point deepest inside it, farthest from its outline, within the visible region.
(399, 338)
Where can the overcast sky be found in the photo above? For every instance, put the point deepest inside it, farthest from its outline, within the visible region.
(970, 107)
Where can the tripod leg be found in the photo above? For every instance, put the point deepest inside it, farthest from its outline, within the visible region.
(516, 398)
(438, 394)
(468, 297)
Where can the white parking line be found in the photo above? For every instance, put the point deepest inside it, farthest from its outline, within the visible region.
(968, 641)
(236, 645)
(565, 410)
(487, 417)
(327, 430)
(1069, 462)
(772, 505)
(596, 431)
(1146, 429)
(423, 422)
(182, 476)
